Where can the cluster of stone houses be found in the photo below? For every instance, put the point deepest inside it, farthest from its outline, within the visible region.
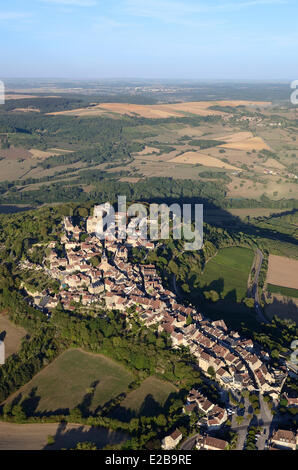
(213, 415)
(118, 284)
(202, 442)
(234, 361)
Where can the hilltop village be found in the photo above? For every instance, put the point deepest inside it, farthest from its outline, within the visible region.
(115, 283)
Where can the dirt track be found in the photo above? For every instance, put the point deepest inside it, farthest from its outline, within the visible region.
(35, 436)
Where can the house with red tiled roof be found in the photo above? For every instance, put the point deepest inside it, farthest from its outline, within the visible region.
(285, 440)
(171, 441)
(210, 443)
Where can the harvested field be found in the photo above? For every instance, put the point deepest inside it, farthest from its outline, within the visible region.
(282, 272)
(193, 158)
(147, 151)
(236, 137)
(252, 143)
(36, 153)
(271, 163)
(129, 179)
(200, 108)
(35, 436)
(15, 153)
(11, 334)
(26, 110)
(9, 96)
(255, 212)
(60, 151)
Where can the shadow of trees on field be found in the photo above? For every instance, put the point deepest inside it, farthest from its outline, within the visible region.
(67, 436)
(3, 335)
(30, 403)
(231, 296)
(221, 217)
(149, 407)
(285, 308)
(85, 404)
(217, 285)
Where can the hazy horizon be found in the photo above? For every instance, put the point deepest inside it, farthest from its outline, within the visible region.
(153, 39)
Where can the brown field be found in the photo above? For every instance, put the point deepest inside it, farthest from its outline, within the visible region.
(147, 151)
(61, 150)
(17, 162)
(126, 179)
(19, 97)
(255, 212)
(35, 436)
(200, 108)
(11, 334)
(271, 163)
(252, 143)
(15, 153)
(282, 272)
(26, 110)
(236, 137)
(13, 169)
(253, 190)
(36, 153)
(164, 157)
(194, 158)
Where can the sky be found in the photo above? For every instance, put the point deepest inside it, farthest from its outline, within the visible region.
(155, 39)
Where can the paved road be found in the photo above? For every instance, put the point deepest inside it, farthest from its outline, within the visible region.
(189, 443)
(241, 429)
(255, 291)
(265, 420)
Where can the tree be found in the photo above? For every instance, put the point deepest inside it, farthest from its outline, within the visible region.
(161, 420)
(211, 371)
(275, 354)
(95, 260)
(18, 412)
(86, 446)
(249, 302)
(239, 419)
(75, 415)
(211, 295)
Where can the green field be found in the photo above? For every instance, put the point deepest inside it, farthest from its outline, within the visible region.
(148, 400)
(227, 273)
(66, 382)
(286, 291)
